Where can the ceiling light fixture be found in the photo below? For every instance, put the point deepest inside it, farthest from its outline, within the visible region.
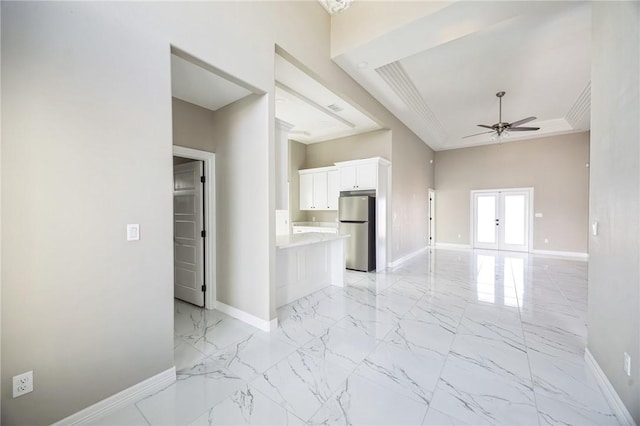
(337, 6)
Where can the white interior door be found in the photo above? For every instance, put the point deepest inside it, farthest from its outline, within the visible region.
(432, 217)
(188, 238)
(502, 219)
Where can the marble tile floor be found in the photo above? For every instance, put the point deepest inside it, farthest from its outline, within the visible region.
(448, 338)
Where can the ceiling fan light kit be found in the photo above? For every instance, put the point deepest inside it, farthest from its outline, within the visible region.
(337, 6)
(502, 128)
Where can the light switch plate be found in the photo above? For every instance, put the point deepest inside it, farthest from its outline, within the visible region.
(133, 232)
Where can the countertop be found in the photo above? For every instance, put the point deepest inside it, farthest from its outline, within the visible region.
(296, 240)
(333, 225)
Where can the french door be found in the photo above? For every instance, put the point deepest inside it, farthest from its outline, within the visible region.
(502, 219)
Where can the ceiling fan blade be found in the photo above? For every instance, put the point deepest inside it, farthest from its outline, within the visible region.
(476, 134)
(485, 126)
(523, 121)
(523, 129)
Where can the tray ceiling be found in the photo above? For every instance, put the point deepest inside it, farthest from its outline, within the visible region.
(439, 74)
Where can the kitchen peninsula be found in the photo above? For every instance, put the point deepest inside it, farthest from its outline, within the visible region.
(306, 263)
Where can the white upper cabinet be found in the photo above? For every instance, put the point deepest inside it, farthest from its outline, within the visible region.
(319, 189)
(359, 175)
(306, 191)
(367, 176)
(333, 189)
(348, 177)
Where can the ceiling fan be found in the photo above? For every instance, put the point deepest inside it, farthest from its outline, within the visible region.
(502, 127)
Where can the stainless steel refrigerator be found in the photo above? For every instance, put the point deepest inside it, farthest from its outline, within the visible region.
(357, 215)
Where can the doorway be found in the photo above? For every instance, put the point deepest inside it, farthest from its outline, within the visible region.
(432, 217)
(501, 219)
(189, 233)
(199, 290)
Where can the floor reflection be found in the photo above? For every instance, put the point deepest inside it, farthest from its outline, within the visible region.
(499, 279)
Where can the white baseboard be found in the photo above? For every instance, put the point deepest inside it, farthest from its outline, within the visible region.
(403, 259)
(121, 399)
(453, 246)
(248, 318)
(571, 254)
(609, 392)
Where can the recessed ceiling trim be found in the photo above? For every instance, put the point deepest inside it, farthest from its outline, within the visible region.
(580, 107)
(315, 105)
(399, 81)
(299, 132)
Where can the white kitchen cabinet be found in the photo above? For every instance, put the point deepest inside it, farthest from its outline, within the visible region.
(359, 177)
(333, 189)
(306, 191)
(347, 177)
(319, 189)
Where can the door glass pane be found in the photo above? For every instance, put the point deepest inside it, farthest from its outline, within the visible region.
(514, 219)
(486, 220)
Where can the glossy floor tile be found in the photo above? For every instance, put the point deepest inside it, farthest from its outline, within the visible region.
(448, 338)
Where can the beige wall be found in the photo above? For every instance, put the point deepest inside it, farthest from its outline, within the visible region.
(614, 254)
(412, 176)
(192, 126)
(365, 145)
(242, 201)
(86, 144)
(554, 166)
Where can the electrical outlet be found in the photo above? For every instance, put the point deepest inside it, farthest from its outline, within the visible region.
(22, 383)
(627, 364)
(546, 241)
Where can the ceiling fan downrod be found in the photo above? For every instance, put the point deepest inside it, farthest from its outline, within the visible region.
(500, 128)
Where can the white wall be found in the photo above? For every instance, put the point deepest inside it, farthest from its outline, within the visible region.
(614, 258)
